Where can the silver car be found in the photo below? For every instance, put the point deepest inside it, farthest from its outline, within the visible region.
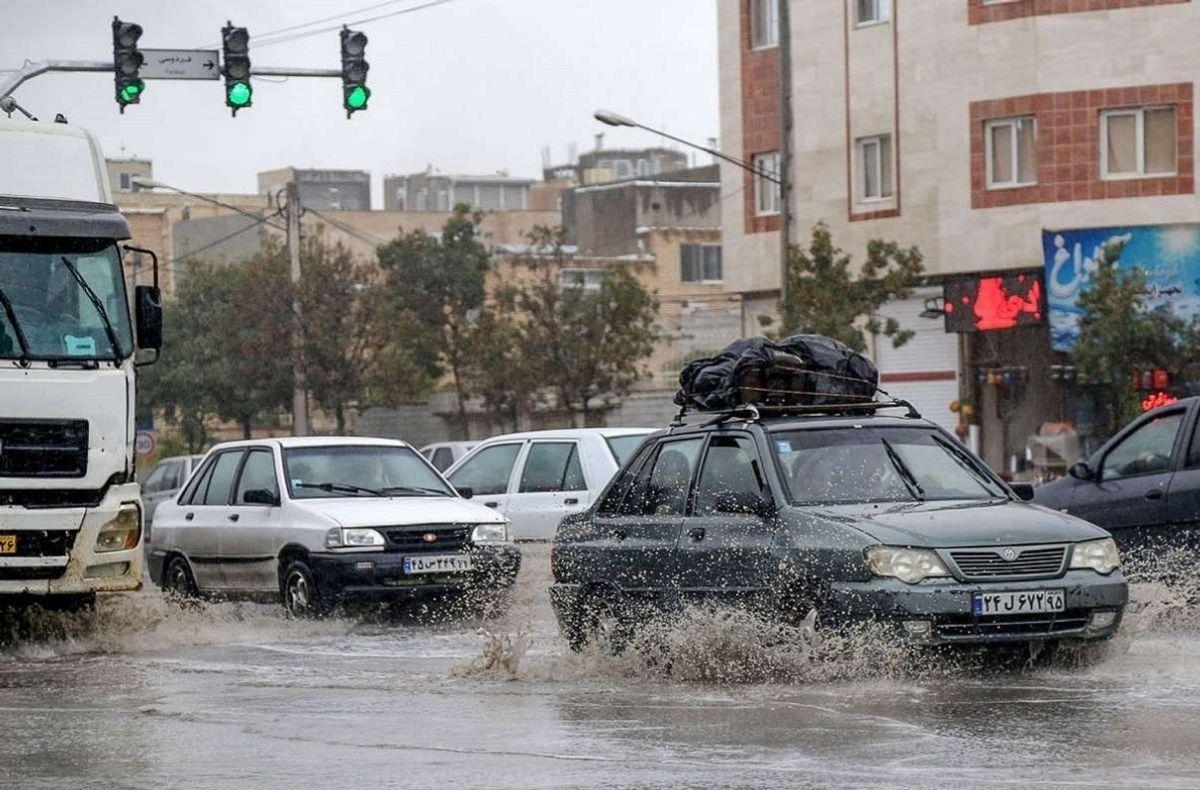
(164, 481)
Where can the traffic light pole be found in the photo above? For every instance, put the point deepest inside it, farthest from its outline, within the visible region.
(16, 79)
(300, 385)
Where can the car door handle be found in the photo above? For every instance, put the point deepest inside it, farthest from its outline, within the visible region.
(492, 504)
(571, 501)
(233, 516)
(190, 516)
(696, 533)
(620, 534)
(1154, 493)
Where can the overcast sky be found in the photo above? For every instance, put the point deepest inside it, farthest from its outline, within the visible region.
(473, 86)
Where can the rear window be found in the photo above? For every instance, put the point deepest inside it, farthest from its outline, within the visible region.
(623, 447)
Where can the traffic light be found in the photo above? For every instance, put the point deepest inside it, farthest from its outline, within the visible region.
(235, 65)
(127, 62)
(355, 93)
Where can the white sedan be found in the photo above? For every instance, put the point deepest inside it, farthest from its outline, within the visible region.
(321, 520)
(536, 478)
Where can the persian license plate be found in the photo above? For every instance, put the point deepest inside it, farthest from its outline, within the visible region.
(1028, 602)
(8, 544)
(438, 563)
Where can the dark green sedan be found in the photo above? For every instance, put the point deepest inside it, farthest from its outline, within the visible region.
(860, 518)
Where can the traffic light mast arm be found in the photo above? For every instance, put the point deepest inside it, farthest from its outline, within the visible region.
(282, 71)
(13, 80)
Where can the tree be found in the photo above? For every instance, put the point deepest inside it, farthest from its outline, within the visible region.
(1119, 336)
(440, 283)
(828, 298)
(587, 341)
(356, 345)
(502, 372)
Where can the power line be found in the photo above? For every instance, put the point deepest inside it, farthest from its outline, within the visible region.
(310, 23)
(223, 239)
(258, 43)
(361, 235)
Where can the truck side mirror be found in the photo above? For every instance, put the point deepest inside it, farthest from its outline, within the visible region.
(148, 303)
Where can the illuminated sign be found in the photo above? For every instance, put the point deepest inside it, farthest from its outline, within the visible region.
(984, 304)
(1156, 399)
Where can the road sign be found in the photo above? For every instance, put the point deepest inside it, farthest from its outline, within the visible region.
(181, 64)
(144, 443)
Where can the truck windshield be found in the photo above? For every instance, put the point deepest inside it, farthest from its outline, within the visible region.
(851, 465)
(46, 313)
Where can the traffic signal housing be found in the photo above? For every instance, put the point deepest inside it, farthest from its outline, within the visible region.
(355, 93)
(127, 63)
(235, 66)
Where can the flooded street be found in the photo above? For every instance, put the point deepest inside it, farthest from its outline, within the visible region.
(234, 695)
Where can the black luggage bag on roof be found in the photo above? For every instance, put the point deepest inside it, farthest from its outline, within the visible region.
(799, 371)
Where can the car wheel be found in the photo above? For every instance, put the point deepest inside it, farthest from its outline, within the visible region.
(177, 579)
(301, 595)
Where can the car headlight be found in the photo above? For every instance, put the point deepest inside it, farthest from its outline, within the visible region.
(357, 538)
(122, 532)
(1099, 555)
(490, 533)
(907, 565)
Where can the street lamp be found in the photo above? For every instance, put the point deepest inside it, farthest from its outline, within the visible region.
(616, 119)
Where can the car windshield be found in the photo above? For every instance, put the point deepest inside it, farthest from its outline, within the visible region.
(359, 470)
(624, 446)
(850, 465)
(47, 309)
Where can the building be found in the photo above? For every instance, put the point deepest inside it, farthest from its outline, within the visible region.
(1005, 138)
(434, 191)
(122, 172)
(334, 190)
(616, 164)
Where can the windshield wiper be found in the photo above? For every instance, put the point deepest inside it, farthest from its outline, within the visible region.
(966, 463)
(339, 487)
(96, 303)
(16, 325)
(906, 474)
(413, 490)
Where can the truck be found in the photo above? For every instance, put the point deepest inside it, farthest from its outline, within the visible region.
(71, 340)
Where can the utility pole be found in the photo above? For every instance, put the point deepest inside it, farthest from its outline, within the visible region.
(300, 391)
(785, 147)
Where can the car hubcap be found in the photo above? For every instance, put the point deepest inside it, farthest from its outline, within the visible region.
(297, 592)
(178, 582)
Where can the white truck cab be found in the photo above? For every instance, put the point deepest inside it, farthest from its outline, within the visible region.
(70, 510)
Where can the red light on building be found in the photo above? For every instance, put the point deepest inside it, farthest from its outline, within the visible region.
(1156, 399)
(997, 302)
(1162, 379)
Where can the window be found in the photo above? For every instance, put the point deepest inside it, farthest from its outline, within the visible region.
(766, 187)
(764, 23)
(126, 181)
(644, 168)
(1011, 152)
(624, 168)
(331, 471)
(552, 466)
(613, 501)
(872, 11)
(587, 280)
(258, 474)
(662, 487)
(156, 480)
(487, 473)
(442, 459)
(195, 492)
(1137, 143)
(875, 167)
(729, 481)
(1145, 451)
(220, 482)
(700, 263)
(623, 447)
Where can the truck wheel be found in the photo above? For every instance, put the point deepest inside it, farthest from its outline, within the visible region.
(301, 596)
(177, 579)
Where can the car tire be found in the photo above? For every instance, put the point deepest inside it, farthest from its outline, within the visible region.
(302, 597)
(177, 579)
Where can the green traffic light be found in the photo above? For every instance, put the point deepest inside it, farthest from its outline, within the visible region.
(131, 91)
(239, 94)
(356, 99)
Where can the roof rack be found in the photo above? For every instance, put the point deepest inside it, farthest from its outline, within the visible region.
(754, 413)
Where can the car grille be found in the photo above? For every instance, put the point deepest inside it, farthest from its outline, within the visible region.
(30, 574)
(969, 627)
(413, 540)
(43, 448)
(43, 543)
(1036, 562)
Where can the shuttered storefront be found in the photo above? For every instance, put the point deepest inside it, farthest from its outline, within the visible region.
(923, 371)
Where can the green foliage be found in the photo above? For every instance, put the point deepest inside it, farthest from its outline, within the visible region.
(439, 283)
(1119, 336)
(827, 297)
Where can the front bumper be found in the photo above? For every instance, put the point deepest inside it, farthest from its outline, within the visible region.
(347, 577)
(81, 571)
(946, 605)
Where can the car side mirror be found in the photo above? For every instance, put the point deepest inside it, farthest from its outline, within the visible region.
(1024, 491)
(148, 302)
(261, 496)
(1081, 471)
(744, 502)
(465, 492)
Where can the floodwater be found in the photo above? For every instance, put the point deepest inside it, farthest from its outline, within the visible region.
(144, 694)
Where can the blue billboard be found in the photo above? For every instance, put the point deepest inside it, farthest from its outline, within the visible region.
(1168, 254)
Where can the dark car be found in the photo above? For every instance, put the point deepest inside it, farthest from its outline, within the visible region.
(1143, 485)
(865, 517)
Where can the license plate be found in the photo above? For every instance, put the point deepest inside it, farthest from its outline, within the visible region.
(1029, 602)
(8, 544)
(438, 563)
